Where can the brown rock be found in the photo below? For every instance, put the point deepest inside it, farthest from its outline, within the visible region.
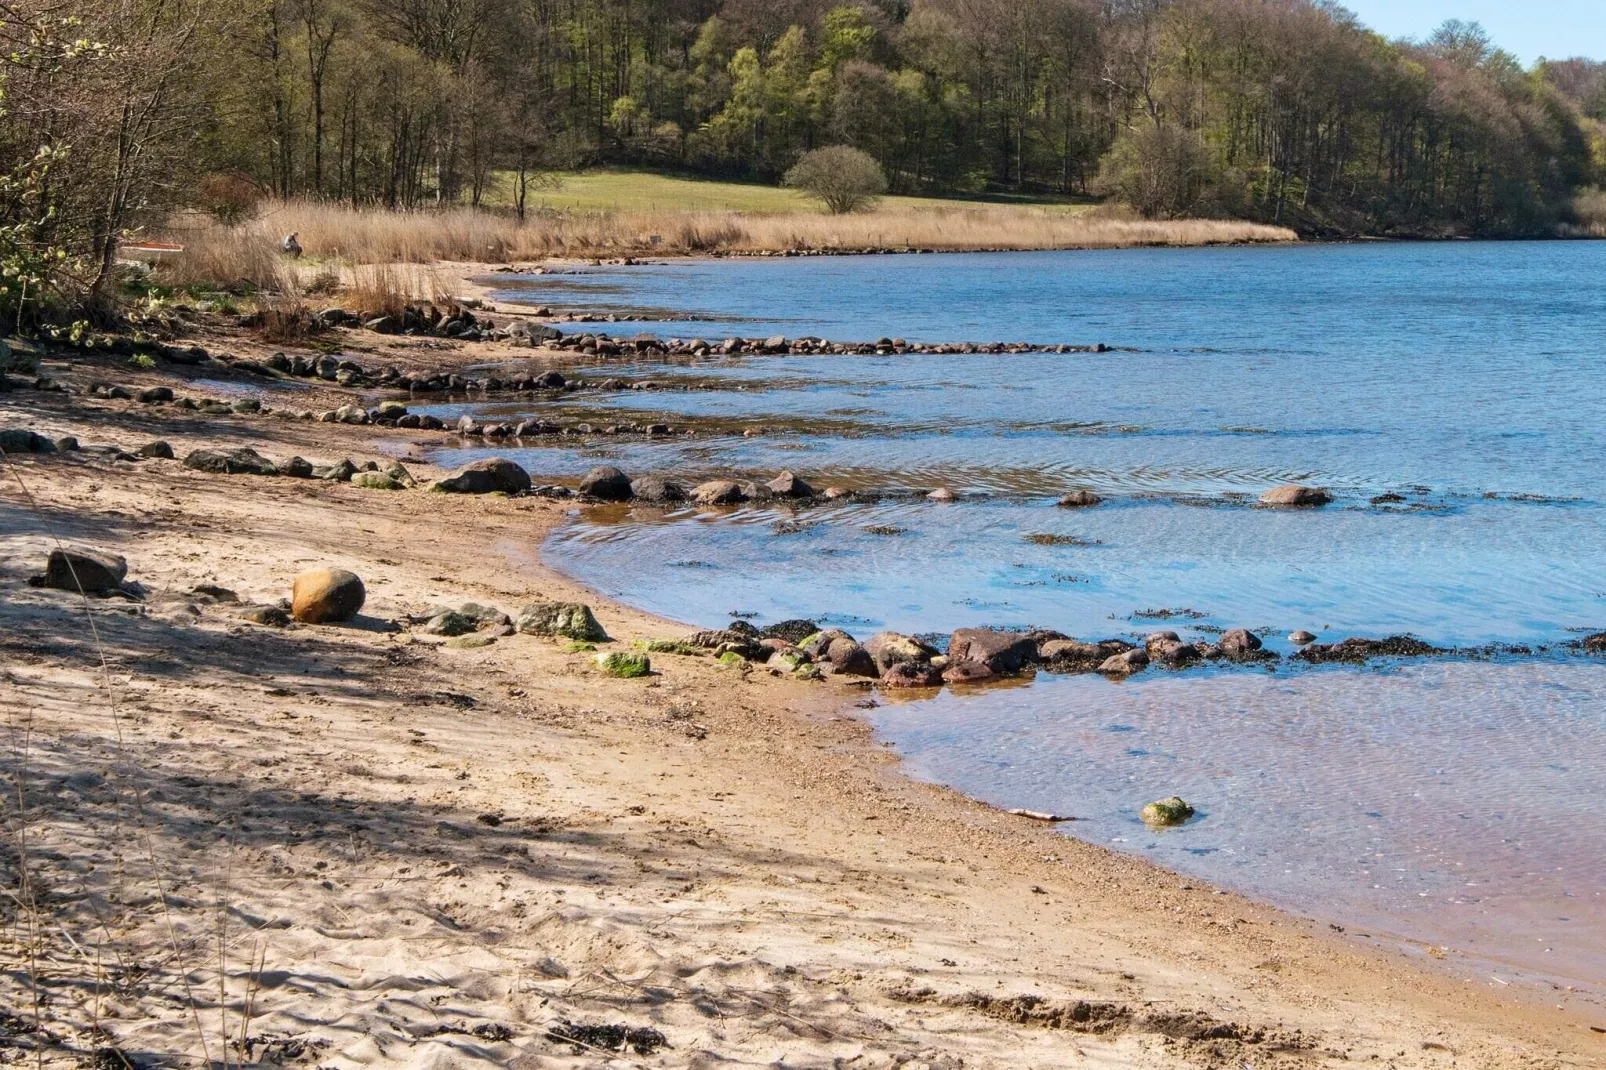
(326, 596)
(1079, 499)
(889, 648)
(967, 672)
(1133, 661)
(1295, 495)
(911, 674)
(1002, 652)
(717, 492)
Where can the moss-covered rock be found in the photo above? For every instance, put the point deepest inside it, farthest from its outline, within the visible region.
(580, 648)
(470, 642)
(1172, 811)
(570, 620)
(730, 657)
(623, 664)
(669, 646)
(375, 481)
(451, 623)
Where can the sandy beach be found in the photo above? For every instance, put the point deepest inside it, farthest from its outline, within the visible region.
(357, 845)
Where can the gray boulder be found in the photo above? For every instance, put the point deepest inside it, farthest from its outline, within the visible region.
(657, 489)
(19, 440)
(234, 462)
(1079, 499)
(571, 620)
(606, 483)
(787, 485)
(717, 492)
(486, 477)
(1240, 644)
(72, 568)
(156, 449)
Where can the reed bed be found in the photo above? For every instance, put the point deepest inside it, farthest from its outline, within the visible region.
(351, 237)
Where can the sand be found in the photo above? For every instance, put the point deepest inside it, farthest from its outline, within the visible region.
(354, 845)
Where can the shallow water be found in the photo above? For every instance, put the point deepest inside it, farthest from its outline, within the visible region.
(1467, 378)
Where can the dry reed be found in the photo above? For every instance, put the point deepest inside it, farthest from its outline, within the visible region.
(371, 236)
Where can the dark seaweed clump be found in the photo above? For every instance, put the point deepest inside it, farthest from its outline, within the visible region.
(643, 1040)
(1356, 651)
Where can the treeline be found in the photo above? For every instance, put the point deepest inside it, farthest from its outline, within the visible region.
(1282, 110)
(1285, 111)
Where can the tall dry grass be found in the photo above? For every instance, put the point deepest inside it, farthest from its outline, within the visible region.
(369, 236)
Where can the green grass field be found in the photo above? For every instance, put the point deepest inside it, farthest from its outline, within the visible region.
(646, 191)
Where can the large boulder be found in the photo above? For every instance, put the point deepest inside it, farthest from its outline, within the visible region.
(22, 441)
(1002, 652)
(326, 596)
(717, 492)
(847, 658)
(657, 489)
(787, 485)
(606, 483)
(817, 644)
(1240, 644)
(888, 649)
(489, 476)
(570, 620)
(1294, 494)
(233, 462)
(71, 568)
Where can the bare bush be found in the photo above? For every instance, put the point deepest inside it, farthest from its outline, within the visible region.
(843, 179)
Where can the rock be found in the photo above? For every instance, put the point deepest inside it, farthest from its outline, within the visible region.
(74, 568)
(1296, 495)
(1240, 644)
(1595, 644)
(1173, 652)
(22, 441)
(211, 593)
(889, 649)
(1125, 664)
(624, 665)
(235, 462)
(1172, 811)
(486, 477)
(470, 642)
(1002, 652)
(152, 395)
(787, 485)
(657, 489)
(245, 405)
(16, 361)
(375, 481)
(156, 449)
(1079, 499)
(391, 410)
(941, 494)
(326, 595)
(836, 493)
(911, 674)
(848, 658)
(571, 620)
(67, 444)
(1062, 655)
(790, 631)
(967, 672)
(783, 655)
(1356, 650)
(1301, 638)
(717, 492)
(450, 623)
(817, 644)
(268, 615)
(606, 483)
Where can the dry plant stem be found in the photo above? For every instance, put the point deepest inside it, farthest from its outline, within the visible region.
(114, 708)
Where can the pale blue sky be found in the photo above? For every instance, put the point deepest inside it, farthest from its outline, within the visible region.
(1528, 29)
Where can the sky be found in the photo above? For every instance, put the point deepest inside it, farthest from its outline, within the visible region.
(1528, 29)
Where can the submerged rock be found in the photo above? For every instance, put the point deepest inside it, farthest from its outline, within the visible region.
(1295, 495)
(1125, 664)
(1357, 650)
(1240, 644)
(1172, 811)
(326, 595)
(1079, 499)
(967, 672)
(1301, 638)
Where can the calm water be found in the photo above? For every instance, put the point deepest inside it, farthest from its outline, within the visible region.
(1447, 802)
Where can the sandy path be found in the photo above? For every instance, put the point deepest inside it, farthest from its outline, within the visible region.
(436, 854)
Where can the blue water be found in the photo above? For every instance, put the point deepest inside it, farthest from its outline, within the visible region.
(1469, 379)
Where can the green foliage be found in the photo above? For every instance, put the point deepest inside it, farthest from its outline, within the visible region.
(32, 267)
(843, 179)
(142, 361)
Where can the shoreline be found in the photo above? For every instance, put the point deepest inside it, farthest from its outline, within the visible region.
(1133, 937)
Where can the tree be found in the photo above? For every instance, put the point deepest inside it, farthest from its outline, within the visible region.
(843, 179)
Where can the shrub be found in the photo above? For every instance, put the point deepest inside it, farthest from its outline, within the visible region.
(1164, 172)
(843, 179)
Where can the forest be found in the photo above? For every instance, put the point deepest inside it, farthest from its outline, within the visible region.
(1280, 111)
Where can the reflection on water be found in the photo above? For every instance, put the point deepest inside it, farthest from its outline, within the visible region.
(1447, 801)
